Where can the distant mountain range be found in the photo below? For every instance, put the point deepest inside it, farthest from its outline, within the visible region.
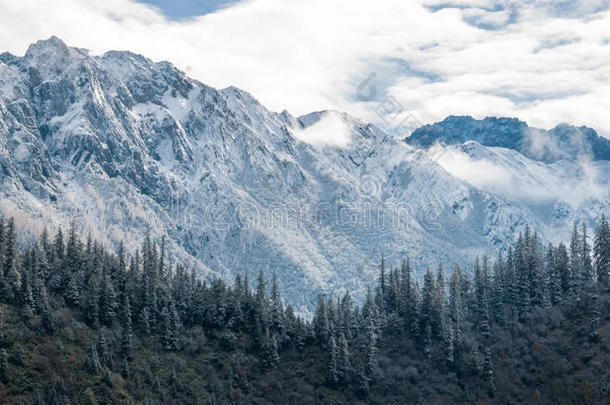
(125, 146)
(562, 142)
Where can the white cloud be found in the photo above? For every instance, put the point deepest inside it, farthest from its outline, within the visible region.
(306, 56)
(522, 179)
(330, 129)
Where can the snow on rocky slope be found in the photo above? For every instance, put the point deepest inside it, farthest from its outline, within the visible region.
(126, 145)
(558, 176)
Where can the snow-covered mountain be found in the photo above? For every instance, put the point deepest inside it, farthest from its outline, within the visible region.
(564, 142)
(126, 145)
(557, 176)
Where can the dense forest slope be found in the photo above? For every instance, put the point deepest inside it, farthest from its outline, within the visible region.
(81, 325)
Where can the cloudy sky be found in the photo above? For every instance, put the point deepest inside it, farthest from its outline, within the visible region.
(389, 61)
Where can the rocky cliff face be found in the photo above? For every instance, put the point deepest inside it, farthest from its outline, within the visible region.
(125, 146)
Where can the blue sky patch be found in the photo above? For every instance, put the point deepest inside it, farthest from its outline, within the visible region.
(185, 9)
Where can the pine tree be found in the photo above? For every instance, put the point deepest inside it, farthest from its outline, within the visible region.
(333, 315)
(523, 294)
(120, 270)
(126, 337)
(427, 302)
(173, 382)
(9, 250)
(594, 314)
(393, 293)
(42, 255)
(369, 309)
(91, 304)
(270, 355)
(4, 366)
(333, 368)
(479, 290)
(93, 363)
(562, 269)
(428, 342)
(415, 321)
(261, 290)
(174, 324)
(585, 254)
(320, 322)
(489, 374)
(11, 278)
(145, 321)
(344, 358)
(29, 305)
(456, 311)
(104, 352)
(108, 302)
(485, 328)
(47, 319)
(535, 264)
(262, 302)
(448, 342)
(17, 354)
(169, 319)
(71, 293)
(363, 382)
(2, 242)
(371, 348)
(125, 372)
(510, 281)
(482, 288)
(552, 277)
(57, 255)
(498, 290)
(348, 318)
(72, 260)
(576, 267)
(380, 307)
(382, 284)
(406, 292)
(277, 310)
(601, 252)
(438, 320)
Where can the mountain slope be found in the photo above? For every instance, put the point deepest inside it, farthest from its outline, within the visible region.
(558, 176)
(125, 146)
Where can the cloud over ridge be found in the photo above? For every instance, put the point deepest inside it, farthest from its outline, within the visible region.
(544, 62)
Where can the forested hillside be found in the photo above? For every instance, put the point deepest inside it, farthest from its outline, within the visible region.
(82, 325)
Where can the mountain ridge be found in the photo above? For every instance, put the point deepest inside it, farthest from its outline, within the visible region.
(126, 146)
(564, 141)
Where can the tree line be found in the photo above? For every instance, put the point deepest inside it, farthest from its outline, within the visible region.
(451, 323)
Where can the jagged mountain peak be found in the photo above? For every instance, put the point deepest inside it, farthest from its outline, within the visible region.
(126, 65)
(45, 46)
(315, 117)
(7, 58)
(51, 56)
(240, 94)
